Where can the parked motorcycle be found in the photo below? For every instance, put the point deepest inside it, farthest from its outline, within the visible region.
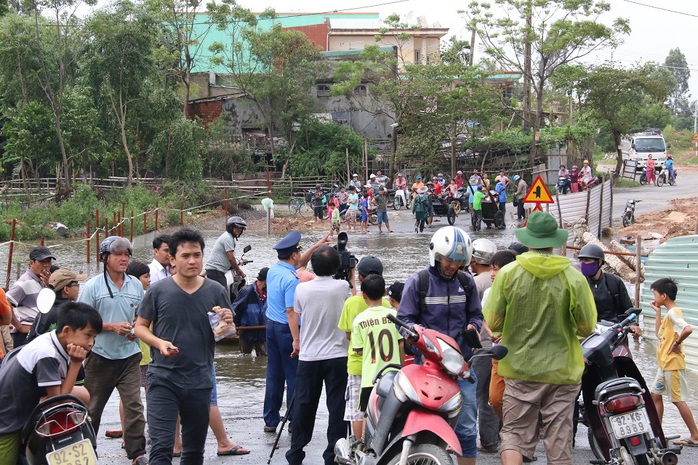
(234, 280)
(629, 213)
(58, 430)
(413, 409)
(623, 425)
(400, 199)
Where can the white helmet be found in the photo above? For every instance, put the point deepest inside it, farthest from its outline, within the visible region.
(483, 250)
(451, 242)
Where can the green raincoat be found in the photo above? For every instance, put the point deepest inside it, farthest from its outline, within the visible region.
(542, 306)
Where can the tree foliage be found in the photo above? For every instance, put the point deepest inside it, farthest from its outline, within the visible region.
(615, 97)
(676, 64)
(275, 67)
(537, 37)
(321, 150)
(118, 62)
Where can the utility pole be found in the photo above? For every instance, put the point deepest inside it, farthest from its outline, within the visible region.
(527, 66)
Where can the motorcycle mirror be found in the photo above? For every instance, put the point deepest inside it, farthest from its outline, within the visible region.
(45, 300)
(499, 351)
(247, 249)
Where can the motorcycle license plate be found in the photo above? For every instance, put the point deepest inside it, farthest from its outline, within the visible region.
(79, 453)
(630, 424)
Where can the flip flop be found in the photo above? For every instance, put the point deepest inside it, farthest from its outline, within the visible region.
(686, 443)
(237, 450)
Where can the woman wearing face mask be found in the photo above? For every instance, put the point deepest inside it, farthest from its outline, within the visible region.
(610, 294)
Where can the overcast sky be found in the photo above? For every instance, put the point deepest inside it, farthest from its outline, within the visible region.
(654, 31)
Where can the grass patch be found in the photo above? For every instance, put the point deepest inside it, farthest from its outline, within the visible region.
(690, 161)
(623, 182)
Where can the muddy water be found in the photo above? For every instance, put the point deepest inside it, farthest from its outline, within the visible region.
(403, 253)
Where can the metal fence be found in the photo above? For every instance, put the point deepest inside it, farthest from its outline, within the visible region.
(595, 204)
(676, 258)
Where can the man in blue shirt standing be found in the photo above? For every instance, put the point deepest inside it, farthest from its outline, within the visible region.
(283, 333)
(116, 355)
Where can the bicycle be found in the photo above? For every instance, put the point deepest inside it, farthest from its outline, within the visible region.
(298, 205)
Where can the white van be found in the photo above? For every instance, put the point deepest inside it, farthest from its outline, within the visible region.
(640, 145)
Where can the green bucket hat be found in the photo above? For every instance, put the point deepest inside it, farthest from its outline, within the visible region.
(541, 232)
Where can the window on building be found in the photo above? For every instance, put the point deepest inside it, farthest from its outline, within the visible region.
(323, 90)
(417, 56)
(360, 90)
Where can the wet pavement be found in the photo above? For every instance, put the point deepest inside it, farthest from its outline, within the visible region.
(241, 378)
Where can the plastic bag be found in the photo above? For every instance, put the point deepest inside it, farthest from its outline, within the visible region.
(220, 328)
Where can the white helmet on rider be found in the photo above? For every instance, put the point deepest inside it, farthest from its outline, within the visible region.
(483, 250)
(450, 242)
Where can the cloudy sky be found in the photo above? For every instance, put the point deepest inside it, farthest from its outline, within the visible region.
(654, 31)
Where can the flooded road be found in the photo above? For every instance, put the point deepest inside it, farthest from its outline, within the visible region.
(241, 379)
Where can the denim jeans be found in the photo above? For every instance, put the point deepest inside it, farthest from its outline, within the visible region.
(311, 377)
(165, 402)
(466, 429)
(281, 368)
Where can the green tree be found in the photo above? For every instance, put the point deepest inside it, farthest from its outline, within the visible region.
(275, 67)
(118, 61)
(180, 147)
(676, 63)
(537, 37)
(58, 44)
(183, 34)
(615, 97)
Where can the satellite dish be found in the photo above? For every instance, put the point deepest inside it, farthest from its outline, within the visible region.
(45, 300)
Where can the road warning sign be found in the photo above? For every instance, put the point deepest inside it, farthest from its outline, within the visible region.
(695, 137)
(538, 193)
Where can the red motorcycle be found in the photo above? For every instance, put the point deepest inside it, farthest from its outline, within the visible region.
(413, 410)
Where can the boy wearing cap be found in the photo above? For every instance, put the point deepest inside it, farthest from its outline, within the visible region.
(353, 306)
(542, 374)
(250, 308)
(23, 293)
(65, 284)
(353, 201)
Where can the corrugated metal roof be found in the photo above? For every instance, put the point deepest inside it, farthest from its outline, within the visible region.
(676, 258)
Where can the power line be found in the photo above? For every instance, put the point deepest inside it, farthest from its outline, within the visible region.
(662, 9)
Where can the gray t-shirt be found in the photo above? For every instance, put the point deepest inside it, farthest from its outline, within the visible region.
(182, 319)
(23, 380)
(319, 303)
(381, 203)
(219, 253)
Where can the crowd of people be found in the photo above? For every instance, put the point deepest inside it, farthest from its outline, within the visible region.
(358, 200)
(155, 327)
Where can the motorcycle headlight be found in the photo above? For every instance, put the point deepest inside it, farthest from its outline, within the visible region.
(452, 359)
(403, 389)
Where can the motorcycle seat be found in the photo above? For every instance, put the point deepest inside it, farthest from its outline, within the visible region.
(385, 383)
(616, 386)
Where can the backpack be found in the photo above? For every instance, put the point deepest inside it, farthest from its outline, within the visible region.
(420, 204)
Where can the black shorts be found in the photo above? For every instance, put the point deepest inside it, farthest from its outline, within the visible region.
(319, 211)
(363, 399)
